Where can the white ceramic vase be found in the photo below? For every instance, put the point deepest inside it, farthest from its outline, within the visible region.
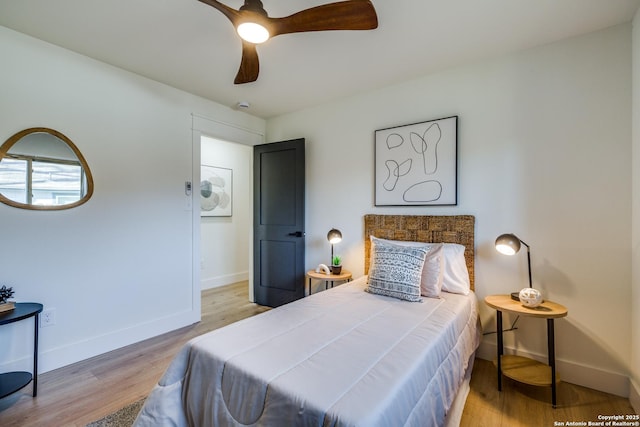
(530, 297)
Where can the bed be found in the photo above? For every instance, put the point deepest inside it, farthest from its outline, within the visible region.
(348, 356)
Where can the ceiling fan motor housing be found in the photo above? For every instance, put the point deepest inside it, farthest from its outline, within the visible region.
(254, 6)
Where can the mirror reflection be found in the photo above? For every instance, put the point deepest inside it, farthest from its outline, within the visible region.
(42, 169)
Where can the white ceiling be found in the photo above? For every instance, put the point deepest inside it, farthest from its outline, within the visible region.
(189, 45)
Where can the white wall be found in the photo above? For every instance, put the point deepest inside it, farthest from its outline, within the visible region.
(225, 240)
(544, 148)
(635, 255)
(120, 268)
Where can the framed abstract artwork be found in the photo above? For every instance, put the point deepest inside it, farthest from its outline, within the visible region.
(216, 191)
(416, 164)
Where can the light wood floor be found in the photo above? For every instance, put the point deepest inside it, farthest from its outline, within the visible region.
(523, 405)
(86, 391)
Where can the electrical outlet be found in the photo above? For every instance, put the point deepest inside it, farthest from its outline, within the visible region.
(48, 317)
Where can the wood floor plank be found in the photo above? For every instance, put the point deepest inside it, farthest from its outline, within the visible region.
(88, 390)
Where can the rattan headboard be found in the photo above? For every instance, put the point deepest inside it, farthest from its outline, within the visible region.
(422, 228)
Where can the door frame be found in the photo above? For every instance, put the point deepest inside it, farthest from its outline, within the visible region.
(204, 126)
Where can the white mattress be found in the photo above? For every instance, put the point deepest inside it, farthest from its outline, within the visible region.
(341, 357)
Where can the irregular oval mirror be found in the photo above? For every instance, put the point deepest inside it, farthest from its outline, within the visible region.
(42, 169)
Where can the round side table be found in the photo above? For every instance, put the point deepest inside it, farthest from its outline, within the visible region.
(343, 276)
(524, 369)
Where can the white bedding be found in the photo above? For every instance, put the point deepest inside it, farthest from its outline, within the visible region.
(342, 357)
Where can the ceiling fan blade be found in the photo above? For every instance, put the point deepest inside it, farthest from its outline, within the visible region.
(344, 15)
(249, 66)
(230, 13)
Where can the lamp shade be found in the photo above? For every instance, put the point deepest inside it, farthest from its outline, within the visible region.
(334, 236)
(508, 244)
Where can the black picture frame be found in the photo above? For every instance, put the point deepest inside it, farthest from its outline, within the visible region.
(417, 164)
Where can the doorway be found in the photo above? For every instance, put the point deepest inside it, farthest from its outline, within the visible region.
(225, 211)
(242, 137)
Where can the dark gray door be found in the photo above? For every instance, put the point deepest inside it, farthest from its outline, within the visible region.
(278, 243)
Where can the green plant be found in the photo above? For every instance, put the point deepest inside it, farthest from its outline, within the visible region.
(337, 260)
(5, 294)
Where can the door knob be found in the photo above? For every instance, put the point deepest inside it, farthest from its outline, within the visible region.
(297, 234)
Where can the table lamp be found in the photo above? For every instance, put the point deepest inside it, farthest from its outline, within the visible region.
(509, 244)
(333, 236)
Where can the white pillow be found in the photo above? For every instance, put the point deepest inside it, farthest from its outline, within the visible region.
(432, 270)
(396, 271)
(455, 275)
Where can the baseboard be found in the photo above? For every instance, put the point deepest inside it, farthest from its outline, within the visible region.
(227, 279)
(58, 357)
(571, 372)
(634, 396)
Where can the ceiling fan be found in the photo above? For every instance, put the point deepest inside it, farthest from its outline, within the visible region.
(254, 25)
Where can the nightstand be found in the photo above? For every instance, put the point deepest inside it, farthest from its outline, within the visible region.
(524, 369)
(343, 276)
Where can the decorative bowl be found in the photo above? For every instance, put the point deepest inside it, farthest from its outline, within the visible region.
(530, 297)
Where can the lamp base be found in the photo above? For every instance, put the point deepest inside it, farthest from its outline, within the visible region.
(515, 296)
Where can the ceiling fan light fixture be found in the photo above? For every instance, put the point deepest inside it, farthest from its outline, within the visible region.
(253, 32)
(254, 26)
